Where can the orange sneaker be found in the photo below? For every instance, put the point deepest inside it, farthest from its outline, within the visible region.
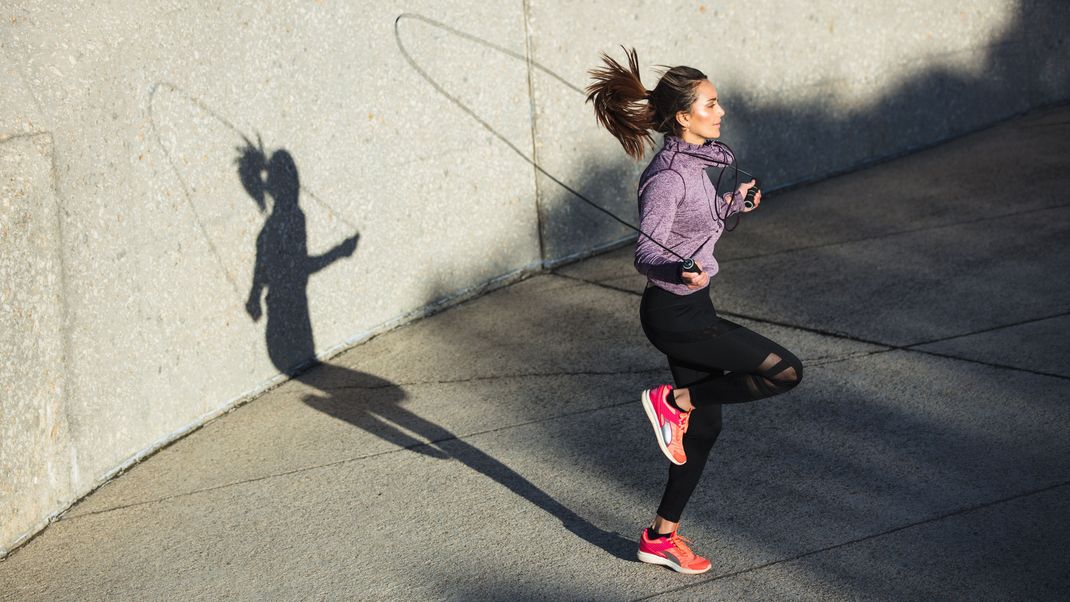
(673, 552)
(669, 423)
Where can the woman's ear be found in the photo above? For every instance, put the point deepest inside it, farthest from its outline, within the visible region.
(683, 118)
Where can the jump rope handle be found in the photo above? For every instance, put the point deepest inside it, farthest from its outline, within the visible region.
(748, 201)
(690, 266)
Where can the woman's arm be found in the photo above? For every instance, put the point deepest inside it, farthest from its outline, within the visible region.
(260, 277)
(658, 199)
(342, 249)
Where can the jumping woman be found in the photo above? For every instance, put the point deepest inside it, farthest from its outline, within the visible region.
(713, 361)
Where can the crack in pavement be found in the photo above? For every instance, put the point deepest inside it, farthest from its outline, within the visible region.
(844, 358)
(954, 513)
(880, 236)
(491, 377)
(984, 330)
(987, 363)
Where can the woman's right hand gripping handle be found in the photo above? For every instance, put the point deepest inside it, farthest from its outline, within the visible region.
(696, 278)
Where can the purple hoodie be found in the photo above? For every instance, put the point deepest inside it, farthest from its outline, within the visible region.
(675, 197)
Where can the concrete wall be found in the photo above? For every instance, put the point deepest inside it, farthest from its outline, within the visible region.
(129, 243)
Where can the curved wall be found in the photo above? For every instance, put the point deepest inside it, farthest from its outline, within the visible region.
(148, 282)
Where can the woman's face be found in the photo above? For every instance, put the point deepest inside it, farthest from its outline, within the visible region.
(703, 121)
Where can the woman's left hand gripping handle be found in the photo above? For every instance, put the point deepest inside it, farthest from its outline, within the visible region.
(693, 275)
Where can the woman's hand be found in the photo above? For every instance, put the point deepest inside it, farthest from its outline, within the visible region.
(742, 192)
(252, 307)
(696, 280)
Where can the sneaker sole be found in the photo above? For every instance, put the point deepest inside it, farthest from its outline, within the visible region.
(648, 407)
(655, 559)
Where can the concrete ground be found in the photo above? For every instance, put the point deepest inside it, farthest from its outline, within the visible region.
(498, 450)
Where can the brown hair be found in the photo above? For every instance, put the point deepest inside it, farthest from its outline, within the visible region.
(628, 110)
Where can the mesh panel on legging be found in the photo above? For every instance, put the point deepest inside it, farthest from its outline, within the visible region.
(759, 367)
(775, 375)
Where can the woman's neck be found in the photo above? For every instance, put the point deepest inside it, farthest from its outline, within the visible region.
(690, 138)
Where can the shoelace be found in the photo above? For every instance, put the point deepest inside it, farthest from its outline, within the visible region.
(680, 543)
(685, 418)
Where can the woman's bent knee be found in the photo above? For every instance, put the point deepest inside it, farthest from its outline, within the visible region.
(791, 376)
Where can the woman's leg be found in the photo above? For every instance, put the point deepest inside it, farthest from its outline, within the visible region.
(704, 427)
(701, 347)
(758, 368)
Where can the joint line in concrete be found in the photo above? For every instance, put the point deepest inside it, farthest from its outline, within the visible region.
(887, 347)
(453, 381)
(895, 233)
(984, 330)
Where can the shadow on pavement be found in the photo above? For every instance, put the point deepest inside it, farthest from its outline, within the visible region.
(374, 405)
(282, 269)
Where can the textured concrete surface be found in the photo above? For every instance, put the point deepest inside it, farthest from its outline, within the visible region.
(36, 460)
(416, 152)
(497, 450)
(148, 107)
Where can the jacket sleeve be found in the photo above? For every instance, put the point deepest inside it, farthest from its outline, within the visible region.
(735, 203)
(658, 199)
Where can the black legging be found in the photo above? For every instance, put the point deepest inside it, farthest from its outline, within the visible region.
(701, 347)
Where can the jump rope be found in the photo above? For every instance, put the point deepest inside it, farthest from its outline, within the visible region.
(688, 263)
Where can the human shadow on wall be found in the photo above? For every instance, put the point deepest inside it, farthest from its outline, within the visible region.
(283, 268)
(283, 265)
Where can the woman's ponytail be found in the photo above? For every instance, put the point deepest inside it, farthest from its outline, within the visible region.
(621, 103)
(629, 111)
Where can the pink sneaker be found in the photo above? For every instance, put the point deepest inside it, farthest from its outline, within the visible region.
(669, 423)
(673, 552)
